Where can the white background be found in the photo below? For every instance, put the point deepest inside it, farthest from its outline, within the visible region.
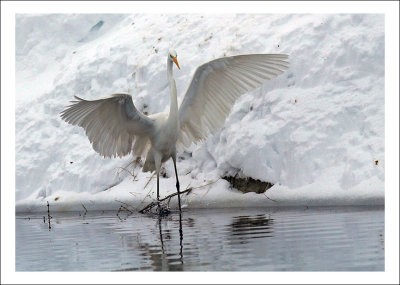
(391, 147)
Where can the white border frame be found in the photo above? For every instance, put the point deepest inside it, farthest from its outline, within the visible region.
(391, 11)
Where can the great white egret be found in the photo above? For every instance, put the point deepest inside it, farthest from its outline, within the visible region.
(116, 128)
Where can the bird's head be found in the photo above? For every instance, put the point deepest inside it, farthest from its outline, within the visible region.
(172, 55)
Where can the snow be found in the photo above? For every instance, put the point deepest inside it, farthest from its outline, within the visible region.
(316, 132)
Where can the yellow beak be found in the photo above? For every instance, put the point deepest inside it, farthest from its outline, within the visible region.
(176, 62)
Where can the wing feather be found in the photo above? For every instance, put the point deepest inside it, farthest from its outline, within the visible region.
(113, 125)
(216, 86)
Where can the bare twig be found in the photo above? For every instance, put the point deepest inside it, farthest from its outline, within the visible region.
(188, 190)
(201, 186)
(267, 196)
(149, 180)
(202, 197)
(84, 214)
(127, 205)
(122, 208)
(131, 173)
(125, 168)
(152, 204)
(126, 209)
(141, 202)
(270, 198)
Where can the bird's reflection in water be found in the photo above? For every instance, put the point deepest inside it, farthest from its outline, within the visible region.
(180, 237)
(168, 263)
(163, 256)
(205, 237)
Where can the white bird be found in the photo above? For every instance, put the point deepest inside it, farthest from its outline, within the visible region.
(116, 128)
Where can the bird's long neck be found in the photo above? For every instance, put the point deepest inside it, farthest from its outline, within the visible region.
(173, 112)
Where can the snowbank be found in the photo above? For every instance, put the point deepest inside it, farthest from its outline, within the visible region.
(316, 132)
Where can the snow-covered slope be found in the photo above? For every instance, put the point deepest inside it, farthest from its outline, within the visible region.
(316, 132)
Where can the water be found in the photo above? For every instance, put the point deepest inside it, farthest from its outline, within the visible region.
(293, 239)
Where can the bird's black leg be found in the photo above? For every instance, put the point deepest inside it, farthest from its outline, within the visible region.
(177, 184)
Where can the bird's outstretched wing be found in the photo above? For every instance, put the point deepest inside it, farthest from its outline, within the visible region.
(113, 125)
(216, 85)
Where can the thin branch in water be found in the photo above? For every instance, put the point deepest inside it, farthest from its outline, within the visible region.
(152, 204)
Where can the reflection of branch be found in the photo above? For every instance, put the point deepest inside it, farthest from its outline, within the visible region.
(153, 204)
(126, 204)
(122, 208)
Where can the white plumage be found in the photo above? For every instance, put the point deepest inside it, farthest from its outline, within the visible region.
(116, 128)
(215, 87)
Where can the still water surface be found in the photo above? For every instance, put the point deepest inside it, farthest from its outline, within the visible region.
(292, 239)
